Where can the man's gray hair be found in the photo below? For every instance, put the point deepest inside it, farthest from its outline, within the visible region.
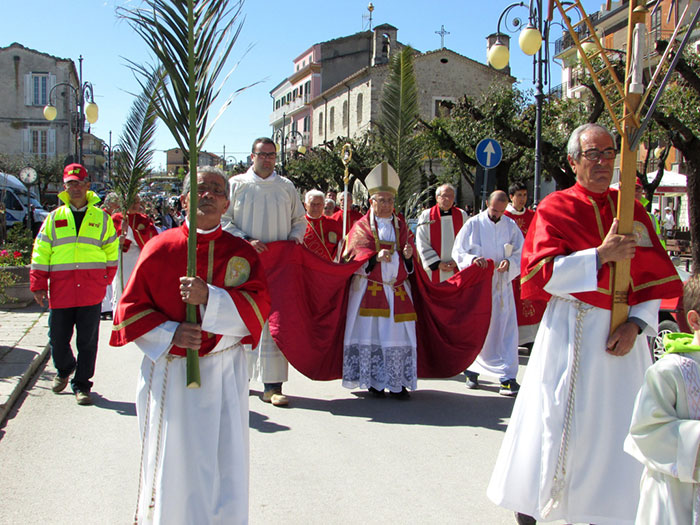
(111, 199)
(202, 170)
(314, 193)
(573, 148)
(442, 187)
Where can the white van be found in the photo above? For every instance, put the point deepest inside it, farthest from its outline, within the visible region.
(14, 195)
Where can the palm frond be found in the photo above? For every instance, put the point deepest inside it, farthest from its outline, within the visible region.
(135, 147)
(397, 123)
(192, 40)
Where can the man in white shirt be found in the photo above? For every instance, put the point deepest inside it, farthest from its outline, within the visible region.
(265, 207)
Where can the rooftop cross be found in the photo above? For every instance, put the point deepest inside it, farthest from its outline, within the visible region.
(442, 34)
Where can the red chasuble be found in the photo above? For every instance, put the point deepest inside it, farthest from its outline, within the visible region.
(322, 236)
(436, 233)
(353, 217)
(141, 226)
(529, 311)
(374, 303)
(523, 220)
(153, 293)
(309, 309)
(576, 219)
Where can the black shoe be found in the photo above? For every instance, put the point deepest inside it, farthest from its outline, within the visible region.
(524, 519)
(375, 392)
(509, 388)
(402, 396)
(472, 380)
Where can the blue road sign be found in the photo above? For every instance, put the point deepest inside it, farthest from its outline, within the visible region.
(489, 153)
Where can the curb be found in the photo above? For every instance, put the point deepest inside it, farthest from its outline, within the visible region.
(37, 332)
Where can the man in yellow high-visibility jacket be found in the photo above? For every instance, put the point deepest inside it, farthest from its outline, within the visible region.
(74, 259)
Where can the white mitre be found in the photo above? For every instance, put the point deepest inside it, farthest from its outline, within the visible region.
(382, 178)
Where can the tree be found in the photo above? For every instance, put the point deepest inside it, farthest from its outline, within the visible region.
(397, 124)
(322, 168)
(680, 117)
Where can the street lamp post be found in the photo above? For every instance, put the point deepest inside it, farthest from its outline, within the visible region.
(86, 110)
(296, 140)
(108, 151)
(530, 41)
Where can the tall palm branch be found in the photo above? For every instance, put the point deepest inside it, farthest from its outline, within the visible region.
(192, 40)
(135, 150)
(397, 123)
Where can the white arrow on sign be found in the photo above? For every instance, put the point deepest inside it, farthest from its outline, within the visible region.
(489, 151)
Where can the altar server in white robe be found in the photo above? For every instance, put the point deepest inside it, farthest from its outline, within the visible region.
(665, 430)
(266, 207)
(562, 456)
(492, 235)
(435, 234)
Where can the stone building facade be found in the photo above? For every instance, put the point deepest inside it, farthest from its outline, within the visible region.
(349, 108)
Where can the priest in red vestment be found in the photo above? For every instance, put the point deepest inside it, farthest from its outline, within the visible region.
(195, 441)
(322, 233)
(353, 216)
(436, 232)
(529, 311)
(133, 234)
(562, 456)
(313, 296)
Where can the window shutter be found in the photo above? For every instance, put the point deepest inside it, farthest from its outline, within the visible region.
(28, 89)
(51, 142)
(26, 141)
(52, 83)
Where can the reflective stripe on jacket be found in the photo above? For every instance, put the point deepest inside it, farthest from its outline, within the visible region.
(74, 268)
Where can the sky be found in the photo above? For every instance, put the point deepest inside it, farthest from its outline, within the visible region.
(274, 32)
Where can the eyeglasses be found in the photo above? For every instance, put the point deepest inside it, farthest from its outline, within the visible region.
(218, 192)
(384, 201)
(595, 154)
(265, 155)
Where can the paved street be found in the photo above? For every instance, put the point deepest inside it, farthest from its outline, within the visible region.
(335, 457)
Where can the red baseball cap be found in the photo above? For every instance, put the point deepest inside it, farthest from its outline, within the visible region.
(74, 172)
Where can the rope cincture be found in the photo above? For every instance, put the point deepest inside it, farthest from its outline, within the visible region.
(559, 480)
(169, 358)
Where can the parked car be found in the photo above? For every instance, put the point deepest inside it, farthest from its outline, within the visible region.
(671, 319)
(16, 198)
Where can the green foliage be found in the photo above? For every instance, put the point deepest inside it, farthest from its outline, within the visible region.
(397, 124)
(322, 168)
(19, 240)
(17, 251)
(135, 152)
(6, 279)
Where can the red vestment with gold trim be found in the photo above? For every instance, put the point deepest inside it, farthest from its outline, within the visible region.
(576, 219)
(322, 236)
(153, 293)
(529, 312)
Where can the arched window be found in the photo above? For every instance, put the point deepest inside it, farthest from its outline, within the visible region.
(359, 109)
(331, 120)
(345, 114)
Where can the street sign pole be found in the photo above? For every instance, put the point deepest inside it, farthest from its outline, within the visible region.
(488, 154)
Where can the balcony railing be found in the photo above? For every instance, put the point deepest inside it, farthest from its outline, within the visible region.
(566, 42)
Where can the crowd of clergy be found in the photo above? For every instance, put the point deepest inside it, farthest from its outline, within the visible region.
(518, 279)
